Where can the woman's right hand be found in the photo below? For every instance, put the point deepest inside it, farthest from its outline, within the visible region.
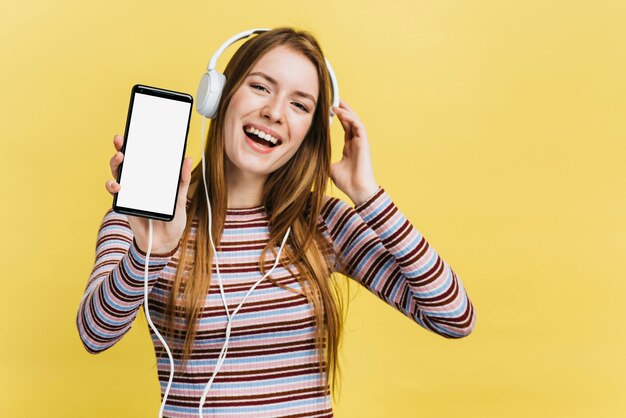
(165, 235)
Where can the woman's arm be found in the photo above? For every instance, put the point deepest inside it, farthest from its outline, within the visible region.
(115, 289)
(377, 246)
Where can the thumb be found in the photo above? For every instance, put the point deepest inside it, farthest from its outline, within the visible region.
(185, 179)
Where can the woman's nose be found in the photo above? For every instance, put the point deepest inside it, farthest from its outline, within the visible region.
(273, 111)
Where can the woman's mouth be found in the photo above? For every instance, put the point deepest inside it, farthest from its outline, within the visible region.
(262, 138)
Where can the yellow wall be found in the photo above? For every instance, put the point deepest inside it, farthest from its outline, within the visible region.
(497, 127)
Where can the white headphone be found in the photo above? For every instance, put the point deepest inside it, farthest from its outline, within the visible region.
(212, 82)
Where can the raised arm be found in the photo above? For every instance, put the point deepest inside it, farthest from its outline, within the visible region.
(115, 289)
(377, 246)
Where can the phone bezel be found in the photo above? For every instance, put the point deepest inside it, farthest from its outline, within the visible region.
(167, 94)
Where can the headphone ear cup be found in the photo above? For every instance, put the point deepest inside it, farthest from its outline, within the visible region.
(209, 93)
(202, 93)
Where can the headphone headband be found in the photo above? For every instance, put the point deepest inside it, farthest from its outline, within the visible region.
(229, 42)
(212, 82)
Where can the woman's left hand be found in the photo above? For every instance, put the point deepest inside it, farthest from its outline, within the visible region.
(354, 174)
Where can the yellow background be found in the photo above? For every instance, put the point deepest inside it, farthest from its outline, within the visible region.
(497, 127)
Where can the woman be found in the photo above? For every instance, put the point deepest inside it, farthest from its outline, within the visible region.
(268, 163)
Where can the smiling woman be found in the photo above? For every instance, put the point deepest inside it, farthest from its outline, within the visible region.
(277, 98)
(268, 165)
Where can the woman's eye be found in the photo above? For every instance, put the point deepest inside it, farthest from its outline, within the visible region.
(301, 106)
(258, 87)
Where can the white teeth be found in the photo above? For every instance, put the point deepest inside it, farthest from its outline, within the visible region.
(262, 135)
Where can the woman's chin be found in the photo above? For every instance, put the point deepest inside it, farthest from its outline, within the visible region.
(247, 168)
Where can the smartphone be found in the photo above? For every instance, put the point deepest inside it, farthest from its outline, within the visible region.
(154, 146)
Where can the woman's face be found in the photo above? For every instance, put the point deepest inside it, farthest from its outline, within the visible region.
(271, 112)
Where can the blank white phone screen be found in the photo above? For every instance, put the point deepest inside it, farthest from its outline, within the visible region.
(154, 150)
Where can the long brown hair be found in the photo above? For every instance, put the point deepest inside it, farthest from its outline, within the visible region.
(293, 196)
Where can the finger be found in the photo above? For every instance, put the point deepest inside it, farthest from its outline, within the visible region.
(350, 119)
(338, 111)
(355, 128)
(347, 127)
(186, 174)
(344, 115)
(339, 108)
(115, 162)
(344, 105)
(112, 186)
(185, 179)
(347, 114)
(118, 141)
(350, 111)
(352, 114)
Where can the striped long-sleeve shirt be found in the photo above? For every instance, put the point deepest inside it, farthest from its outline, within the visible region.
(272, 366)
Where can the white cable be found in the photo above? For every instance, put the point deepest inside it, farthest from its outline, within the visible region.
(224, 350)
(229, 317)
(222, 356)
(208, 203)
(145, 308)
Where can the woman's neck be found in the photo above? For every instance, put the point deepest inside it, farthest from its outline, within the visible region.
(245, 190)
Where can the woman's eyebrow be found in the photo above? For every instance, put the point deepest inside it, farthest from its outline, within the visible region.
(274, 82)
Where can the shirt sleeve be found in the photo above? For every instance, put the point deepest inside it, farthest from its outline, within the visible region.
(115, 288)
(377, 246)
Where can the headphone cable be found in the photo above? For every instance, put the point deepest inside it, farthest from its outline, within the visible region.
(147, 312)
(229, 317)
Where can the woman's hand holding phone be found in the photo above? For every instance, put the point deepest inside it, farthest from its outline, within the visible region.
(165, 235)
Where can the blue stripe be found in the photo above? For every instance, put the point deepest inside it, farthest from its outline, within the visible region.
(375, 209)
(451, 314)
(427, 266)
(89, 323)
(383, 274)
(254, 315)
(265, 382)
(439, 289)
(110, 302)
(248, 231)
